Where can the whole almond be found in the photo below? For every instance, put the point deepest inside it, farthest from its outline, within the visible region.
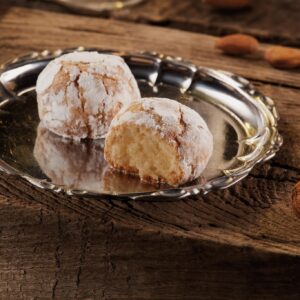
(283, 57)
(228, 4)
(237, 44)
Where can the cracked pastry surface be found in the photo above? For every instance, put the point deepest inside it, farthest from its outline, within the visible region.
(159, 140)
(79, 93)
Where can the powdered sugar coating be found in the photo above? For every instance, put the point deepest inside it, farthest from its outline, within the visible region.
(180, 125)
(79, 93)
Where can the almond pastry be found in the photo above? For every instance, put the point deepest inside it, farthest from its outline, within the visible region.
(79, 93)
(160, 140)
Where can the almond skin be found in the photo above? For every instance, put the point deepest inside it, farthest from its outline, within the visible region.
(283, 57)
(237, 44)
(228, 4)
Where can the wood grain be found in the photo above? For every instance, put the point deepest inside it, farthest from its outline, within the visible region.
(270, 20)
(24, 29)
(240, 243)
(52, 255)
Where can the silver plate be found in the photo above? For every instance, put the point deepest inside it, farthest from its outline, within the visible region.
(242, 120)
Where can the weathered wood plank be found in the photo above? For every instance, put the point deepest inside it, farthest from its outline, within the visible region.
(266, 20)
(269, 20)
(24, 30)
(48, 255)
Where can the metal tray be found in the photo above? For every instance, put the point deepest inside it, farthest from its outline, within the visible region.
(242, 120)
(96, 6)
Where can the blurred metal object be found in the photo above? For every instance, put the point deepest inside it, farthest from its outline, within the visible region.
(96, 6)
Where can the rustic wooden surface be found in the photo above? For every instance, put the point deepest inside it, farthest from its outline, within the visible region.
(269, 20)
(241, 243)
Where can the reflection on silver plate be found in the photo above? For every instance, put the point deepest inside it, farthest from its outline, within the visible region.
(243, 123)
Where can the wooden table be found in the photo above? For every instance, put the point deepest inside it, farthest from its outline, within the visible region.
(240, 243)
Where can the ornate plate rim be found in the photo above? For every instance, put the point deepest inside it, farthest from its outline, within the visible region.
(242, 86)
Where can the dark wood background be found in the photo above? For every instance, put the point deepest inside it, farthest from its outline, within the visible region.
(240, 243)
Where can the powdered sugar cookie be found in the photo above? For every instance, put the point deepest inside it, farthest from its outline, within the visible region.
(79, 93)
(159, 139)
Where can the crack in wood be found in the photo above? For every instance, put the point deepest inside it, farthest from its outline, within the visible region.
(83, 248)
(57, 256)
